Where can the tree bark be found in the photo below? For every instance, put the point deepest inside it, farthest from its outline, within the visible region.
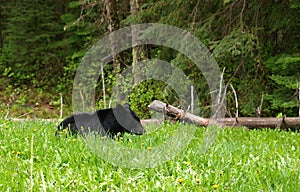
(1, 39)
(139, 52)
(113, 25)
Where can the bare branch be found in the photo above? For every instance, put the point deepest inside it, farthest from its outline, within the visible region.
(236, 101)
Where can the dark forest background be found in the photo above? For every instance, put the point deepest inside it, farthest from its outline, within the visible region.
(257, 42)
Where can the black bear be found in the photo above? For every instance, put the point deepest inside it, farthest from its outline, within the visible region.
(109, 121)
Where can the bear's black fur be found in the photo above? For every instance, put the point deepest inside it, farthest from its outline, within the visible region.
(109, 121)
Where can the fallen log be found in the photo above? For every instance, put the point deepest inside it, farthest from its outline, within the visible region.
(250, 122)
(262, 122)
(151, 121)
(177, 113)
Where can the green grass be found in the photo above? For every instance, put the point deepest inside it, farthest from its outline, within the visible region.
(32, 158)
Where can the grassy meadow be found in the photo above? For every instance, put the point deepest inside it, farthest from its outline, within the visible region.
(33, 159)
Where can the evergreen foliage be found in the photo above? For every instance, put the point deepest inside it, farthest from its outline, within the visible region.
(256, 42)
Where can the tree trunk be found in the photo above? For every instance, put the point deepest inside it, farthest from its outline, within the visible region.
(139, 52)
(1, 39)
(113, 25)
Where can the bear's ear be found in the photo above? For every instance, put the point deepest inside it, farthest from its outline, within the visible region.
(127, 106)
(127, 121)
